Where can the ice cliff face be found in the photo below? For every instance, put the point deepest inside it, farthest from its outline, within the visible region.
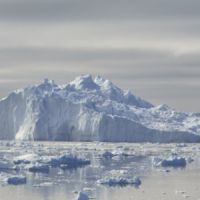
(91, 109)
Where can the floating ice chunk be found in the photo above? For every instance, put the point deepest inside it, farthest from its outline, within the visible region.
(25, 159)
(42, 168)
(6, 165)
(44, 184)
(18, 162)
(156, 161)
(120, 181)
(181, 145)
(16, 180)
(82, 196)
(172, 161)
(64, 167)
(123, 153)
(179, 192)
(70, 160)
(190, 160)
(136, 181)
(108, 155)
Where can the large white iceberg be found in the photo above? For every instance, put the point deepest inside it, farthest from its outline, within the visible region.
(91, 109)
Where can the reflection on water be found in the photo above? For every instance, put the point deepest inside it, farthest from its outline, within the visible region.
(129, 160)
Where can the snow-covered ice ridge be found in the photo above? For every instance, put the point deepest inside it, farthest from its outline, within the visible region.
(91, 109)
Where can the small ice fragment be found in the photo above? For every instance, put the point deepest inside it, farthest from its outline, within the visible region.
(190, 160)
(16, 180)
(39, 168)
(120, 181)
(136, 181)
(6, 165)
(82, 196)
(70, 160)
(107, 155)
(174, 162)
(25, 159)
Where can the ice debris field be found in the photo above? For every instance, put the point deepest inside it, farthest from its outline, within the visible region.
(102, 171)
(91, 109)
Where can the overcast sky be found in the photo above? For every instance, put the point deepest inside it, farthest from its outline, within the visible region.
(149, 46)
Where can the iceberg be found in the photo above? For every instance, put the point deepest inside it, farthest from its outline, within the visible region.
(91, 109)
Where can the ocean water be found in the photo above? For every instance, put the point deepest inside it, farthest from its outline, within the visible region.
(129, 160)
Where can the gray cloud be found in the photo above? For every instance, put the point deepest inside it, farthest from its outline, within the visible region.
(159, 76)
(48, 10)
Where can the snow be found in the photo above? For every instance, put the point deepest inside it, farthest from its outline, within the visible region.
(16, 180)
(82, 196)
(91, 109)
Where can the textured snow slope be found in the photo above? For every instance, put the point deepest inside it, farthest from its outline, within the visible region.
(91, 109)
